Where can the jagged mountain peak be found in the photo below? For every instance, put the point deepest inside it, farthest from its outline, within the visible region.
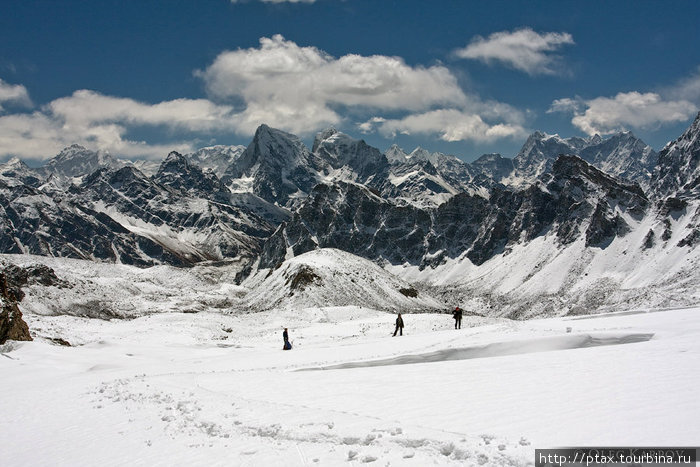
(323, 135)
(396, 154)
(273, 146)
(14, 163)
(177, 172)
(174, 161)
(678, 169)
(216, 158)
(76, 160)
(595, 139)
(571, 167)
(276, 166)
(621, 154)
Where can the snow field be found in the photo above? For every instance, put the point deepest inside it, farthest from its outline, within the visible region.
(215, 389)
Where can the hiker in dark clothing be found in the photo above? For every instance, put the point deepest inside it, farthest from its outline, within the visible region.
(287, 344)
(399, 325)
(457, 315)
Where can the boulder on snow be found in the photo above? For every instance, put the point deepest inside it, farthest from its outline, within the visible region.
(12, 326)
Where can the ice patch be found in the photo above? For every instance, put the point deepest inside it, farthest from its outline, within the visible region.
(499, 349)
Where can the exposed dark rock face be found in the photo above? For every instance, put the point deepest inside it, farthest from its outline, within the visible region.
(123, 216)
(678, 173)
(280, 169)
(12, 326)
(339, 150)
(352, 218)
(493, 166)
(419, 208)
(18, 277)
(622, 155)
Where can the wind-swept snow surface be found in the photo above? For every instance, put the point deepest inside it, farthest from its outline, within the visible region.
(216, 389)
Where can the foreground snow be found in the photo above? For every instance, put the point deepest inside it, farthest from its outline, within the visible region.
(215, 389)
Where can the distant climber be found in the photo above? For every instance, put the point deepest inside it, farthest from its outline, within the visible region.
(287, 344)
(399, 325)
(457, 315)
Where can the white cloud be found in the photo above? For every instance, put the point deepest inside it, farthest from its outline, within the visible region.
(566, 105)
(40, 136)
(605, 115)
(522, 49)
(14, 94)
(297, 89)
(85, 108)
(301, 89)
(448, 124)
(309, 85)
(102, 122)
(686, 89)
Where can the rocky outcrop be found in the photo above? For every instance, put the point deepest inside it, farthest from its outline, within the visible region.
(575, 200)
(621, 155)
(276, 166)
(12, 326)
(678, 171)
(180, 216)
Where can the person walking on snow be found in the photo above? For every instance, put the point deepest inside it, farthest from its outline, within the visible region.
(399, 325)
(287, 344)
(457, 315)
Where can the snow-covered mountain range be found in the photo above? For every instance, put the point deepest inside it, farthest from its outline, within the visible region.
(421, 216)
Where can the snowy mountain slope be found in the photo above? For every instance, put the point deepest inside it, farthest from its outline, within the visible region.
(576, 200)
(178, 173)
(105, 291)
(621, 155)
(539, 152)
(275, 166)
(493, 166)
(15, 172)
(124, 216)
(147, 167)
(216, 158)
(183, 388)
(193, 224)
(367, 164)
(329, 277)
(426, 179)
(76, 160)
(678, 170)
(547, 278)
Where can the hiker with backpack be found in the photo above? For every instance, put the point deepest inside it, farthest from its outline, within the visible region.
(457, 315)
(399, 325)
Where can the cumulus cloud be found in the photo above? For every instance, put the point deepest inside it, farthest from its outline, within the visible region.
(85, 108)
(13, 94)
(301, 88)
(103, 122)
(294, 88)
(605, 115)
(448, 124)
(522, 49)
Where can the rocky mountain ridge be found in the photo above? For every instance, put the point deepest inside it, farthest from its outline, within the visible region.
(419, 208)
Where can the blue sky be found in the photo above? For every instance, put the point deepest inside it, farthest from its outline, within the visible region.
(139, 78)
